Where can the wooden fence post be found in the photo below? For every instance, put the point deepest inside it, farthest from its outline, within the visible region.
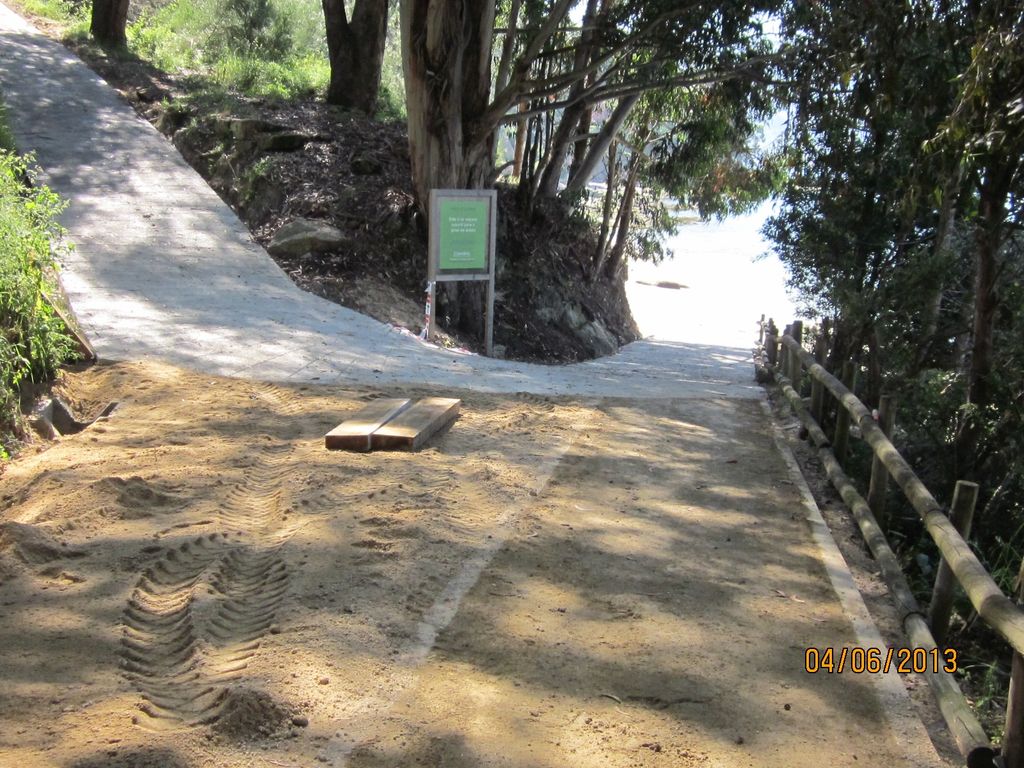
(787, 359)
(941, 607)
(796, 367)
(879, 474)
(771, 343)
(817, 388)
(842, 436)
(1013, 731)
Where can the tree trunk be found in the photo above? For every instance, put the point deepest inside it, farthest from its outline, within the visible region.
(989, 239)
(995, 190)
(943, 240)
(507, 48)
(110, 21)
(874, 385)
(572, 114)
(610, 129)
(356, 51)
(606, 218)
(446, 56)
(625, 221)
(579, 147)
(522, 124)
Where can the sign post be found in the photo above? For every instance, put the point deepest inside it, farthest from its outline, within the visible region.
(462, 245)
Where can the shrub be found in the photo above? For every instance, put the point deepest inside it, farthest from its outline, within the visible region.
(33, 340)
(258, 47)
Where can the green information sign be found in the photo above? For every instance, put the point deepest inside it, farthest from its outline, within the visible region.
(462, 231)
(464, 234)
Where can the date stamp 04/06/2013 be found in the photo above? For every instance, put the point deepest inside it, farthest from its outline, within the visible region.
(873, 660)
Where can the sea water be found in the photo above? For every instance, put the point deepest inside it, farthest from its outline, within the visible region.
(728, 275)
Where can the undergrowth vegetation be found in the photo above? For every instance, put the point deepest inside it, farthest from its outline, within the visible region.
(33, 341)
(259, 48)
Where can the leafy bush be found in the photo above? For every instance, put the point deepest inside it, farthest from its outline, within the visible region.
(33, 340)
(6, 137)
(67, 11)
(259, 47)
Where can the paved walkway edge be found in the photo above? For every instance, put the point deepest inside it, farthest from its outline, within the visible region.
(164, 270)
(893, 697)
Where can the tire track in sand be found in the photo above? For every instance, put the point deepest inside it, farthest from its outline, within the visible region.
(182, 654)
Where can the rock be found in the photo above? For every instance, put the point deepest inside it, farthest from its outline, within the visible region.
(172, 118)
(573, 317)
(364, 164)
(300, 721)
(149, 94)
(598, 338)
(549, 314)
(245, 128)
(301, 236)
(499, 351)
(285, 141)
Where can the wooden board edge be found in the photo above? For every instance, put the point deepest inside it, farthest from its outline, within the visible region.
(361, 442)
(386, 442)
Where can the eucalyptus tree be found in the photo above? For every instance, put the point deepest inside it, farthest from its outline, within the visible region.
(688, 148)
(355, 46)
(109, 22)
(553, 68)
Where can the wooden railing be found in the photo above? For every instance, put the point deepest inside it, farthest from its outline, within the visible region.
(783, 358)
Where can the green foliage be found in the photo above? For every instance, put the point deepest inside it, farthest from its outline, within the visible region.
(391, 104)
(259, 47)
(703, 152)
(33, 342)
(66, 11)
(6, 136)
(859, 228)
(904, 151)
(988, 117)
(679, 90)
(257, 27)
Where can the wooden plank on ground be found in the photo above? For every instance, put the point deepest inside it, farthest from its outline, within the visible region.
(412, 428)
(354, 434)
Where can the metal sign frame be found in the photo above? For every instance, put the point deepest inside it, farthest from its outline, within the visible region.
(435, 273)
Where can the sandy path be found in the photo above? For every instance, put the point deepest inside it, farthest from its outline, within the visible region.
(196, 582)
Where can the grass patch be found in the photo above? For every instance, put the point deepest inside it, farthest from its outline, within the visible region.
(258, 48)
(6, 135)
(33, 339)
(54, 10)
(273, 48)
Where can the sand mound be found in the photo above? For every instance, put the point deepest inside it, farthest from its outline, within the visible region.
(249, 714)
(32, 544)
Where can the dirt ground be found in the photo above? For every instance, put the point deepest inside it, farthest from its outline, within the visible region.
(194, 581)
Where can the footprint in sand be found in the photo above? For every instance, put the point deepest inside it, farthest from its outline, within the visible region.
(137, 497)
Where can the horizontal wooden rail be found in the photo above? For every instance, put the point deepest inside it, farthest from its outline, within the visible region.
(994, 607)
(967, 731)
(970, 737)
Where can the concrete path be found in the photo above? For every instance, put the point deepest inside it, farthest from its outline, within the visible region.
(164, 269)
